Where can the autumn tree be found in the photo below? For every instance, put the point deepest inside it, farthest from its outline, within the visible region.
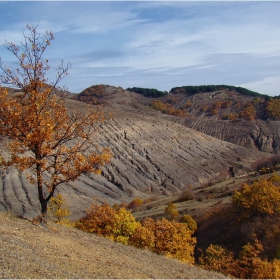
(171, 211)
(99, 220)
(54, 143)
(249, 112)
(135, 203)
(189, 221)
(218, 259)
(248, 265)
(58, 210)
(260, 198)
(116, 224)
(172, 239)
(273, 108)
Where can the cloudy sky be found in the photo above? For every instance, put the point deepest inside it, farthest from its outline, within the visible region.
(155, 44)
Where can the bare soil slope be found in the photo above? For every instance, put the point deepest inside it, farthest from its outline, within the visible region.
(29, 251)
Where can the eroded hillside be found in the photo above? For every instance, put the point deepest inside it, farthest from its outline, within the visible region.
(224, 114)
(153, 156)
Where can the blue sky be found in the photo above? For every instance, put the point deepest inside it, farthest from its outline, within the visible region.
(155, 44)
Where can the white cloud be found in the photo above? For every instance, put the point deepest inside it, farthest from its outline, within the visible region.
(157, 43)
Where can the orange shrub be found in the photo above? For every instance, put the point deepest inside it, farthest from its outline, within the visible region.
(249, 112)
(135, 203)
(99, 220)
(248, 266)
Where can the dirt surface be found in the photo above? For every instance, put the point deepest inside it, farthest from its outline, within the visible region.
(55, 251)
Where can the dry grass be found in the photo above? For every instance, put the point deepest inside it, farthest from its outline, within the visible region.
(55, 251)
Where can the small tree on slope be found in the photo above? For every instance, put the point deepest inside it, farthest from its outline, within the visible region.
(54, 143)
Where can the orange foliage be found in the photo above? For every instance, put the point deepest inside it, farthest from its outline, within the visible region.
(204, 108)
(135, 203)
(163, 237)
(249, 112)
(172, 239)
(218, 259)
(93, 95)
(226, 104)
(232, 116)
(247, 266)
(168, 109)
(258, 199)
(215, 108)
(99, 220)
(143, 237)
(254, 215)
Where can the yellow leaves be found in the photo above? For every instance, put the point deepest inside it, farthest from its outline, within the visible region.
(249, 112)
(218, 259)
(171, 211)
(259, 198)
(58, 211)
(189, 221)
(124, 223)
(273, 108)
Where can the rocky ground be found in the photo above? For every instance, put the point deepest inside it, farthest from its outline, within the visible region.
(54, 251)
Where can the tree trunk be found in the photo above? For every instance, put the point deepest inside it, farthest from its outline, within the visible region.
(44, 207)
(44, 202)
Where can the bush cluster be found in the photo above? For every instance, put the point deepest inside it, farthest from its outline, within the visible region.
(169, 238)
(168, 109)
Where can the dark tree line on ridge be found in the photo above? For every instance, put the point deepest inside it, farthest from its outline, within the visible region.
(191, 90)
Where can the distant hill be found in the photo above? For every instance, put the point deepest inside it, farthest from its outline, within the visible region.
(190, 90)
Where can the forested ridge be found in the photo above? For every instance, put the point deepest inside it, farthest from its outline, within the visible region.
(190, 90)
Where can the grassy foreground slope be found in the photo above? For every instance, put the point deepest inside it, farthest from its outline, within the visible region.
(55, 251)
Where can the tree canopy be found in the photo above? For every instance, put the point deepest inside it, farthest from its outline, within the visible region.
(148, 92)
